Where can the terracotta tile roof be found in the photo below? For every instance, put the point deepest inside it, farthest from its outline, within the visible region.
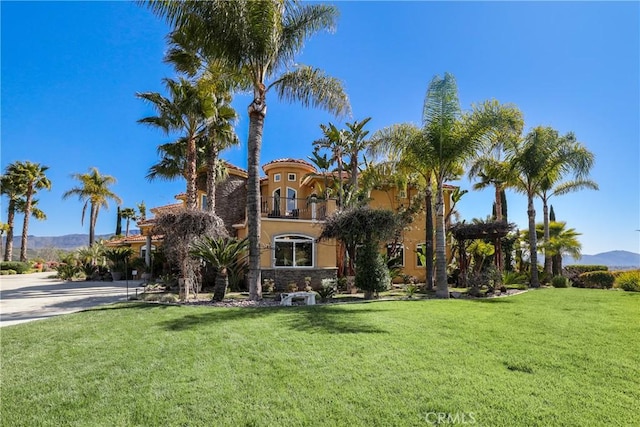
(290, 160)
(172, 208)
(136, 238)
(234, 167)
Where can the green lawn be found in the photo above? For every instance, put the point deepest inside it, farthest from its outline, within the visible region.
(549, 357)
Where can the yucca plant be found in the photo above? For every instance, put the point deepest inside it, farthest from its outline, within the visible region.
(223, 254)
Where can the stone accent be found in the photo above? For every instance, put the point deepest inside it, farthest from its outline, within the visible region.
(283, 276)
(231, 201)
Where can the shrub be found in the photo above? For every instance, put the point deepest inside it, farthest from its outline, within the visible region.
(410, 290)
(573, 272)
(18, 267)
(628, 281)
(513, 278)
(327, 289)
(67, 271)
(7, 272)
(372, 274)
(597, 279)
(560, 282)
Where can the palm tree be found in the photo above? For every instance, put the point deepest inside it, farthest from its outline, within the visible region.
(561, 241)
(576, 160)
(188, 109)
(4, 227)
(223, 254)
(11, 186)
(536, 161)
(95, 192)
(334, 140)
(356, 144)
(323, 163)
(32, 178)
(260, 41)
(128, 214)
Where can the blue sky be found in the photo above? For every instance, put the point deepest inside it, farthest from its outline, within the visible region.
(70, 71)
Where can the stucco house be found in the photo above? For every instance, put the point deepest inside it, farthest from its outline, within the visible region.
(293, 211)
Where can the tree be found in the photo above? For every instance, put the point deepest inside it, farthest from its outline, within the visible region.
(32, 178)
(94, 191)
(355, 145)
(188, 110)
(576, 160)
(222, 253)
(118, 222)
(4, 227)
(335, 141)
(562, 241)
(260, 41)
(534, 162)
(365, 227)
(11, 186)
(128, 214)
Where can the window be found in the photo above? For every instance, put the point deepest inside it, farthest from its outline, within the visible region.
(291, 177)
(143, 251)
(293, 251)
(420, 254)
(203, 202)
(395, 255)
(276, 177)
(291, 200)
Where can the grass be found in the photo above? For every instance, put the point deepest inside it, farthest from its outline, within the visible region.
(547, 357)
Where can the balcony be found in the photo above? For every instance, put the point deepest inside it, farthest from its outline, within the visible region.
(295, 209)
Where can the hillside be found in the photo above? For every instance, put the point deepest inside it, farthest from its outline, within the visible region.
(624, 259)
(66, 242)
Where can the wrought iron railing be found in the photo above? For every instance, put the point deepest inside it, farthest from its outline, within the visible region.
(289, 208)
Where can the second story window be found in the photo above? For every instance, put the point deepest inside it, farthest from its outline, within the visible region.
(291, 177)
(203, 202)
(276, 177)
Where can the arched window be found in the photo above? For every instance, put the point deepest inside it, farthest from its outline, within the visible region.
(143, 250)
(292, 203)
(293, 251)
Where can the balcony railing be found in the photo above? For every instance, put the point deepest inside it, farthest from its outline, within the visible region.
(287, 208)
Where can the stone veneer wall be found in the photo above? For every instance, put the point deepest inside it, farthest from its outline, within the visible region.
(283, 276)
(231, 201)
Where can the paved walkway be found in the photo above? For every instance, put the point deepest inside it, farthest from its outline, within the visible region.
(28, 297)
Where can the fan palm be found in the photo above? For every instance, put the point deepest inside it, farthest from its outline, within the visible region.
(95, 192)
(260, 40)
(128, 214)
(223, 254)
(32, 178)
(560, 241)
(188, 109)
(11, 186)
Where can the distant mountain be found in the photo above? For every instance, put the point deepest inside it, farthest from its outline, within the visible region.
(624, 259)
(66, 242)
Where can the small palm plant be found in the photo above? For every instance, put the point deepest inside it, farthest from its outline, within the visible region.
(223, 254)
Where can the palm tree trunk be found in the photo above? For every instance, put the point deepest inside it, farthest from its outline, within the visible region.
(556, 264)
(340, 184)
(533, 247)
(442, 289)
(354, 173)
(211, 177)
(11, 214)
(498, 242)
(428, 238)
(25, 225)
(257, 113)
(192, 176)
(547, 254)
(222, 283)
(93, 218)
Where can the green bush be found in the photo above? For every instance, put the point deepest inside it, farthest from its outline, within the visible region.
(597, 279)
(7, 272)
(560, 282)
(628, 281)
(67, 271)
(573, 272)
(327, 289)
(372, 274)
(18, 267)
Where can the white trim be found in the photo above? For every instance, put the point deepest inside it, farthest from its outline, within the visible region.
(293, 200)
(277, 177)
(295, 177)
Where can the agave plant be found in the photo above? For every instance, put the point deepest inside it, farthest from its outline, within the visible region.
(224, 254)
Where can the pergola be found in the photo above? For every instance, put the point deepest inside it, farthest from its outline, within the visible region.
(490, 230)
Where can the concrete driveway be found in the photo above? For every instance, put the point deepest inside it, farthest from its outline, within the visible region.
(28, 297)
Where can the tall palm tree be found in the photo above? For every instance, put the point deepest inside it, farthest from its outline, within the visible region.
(535, 160)
(188, 110)
(577, 160)
(355, 145)
(322, 163)
(128, 214)
(94, 191)
(260, 40)
(11, 186)
(33, 178)
(335, 141)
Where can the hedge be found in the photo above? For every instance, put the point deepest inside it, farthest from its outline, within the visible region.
(573, 272)
(628, 281)
(597, 279)
(19, 267)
